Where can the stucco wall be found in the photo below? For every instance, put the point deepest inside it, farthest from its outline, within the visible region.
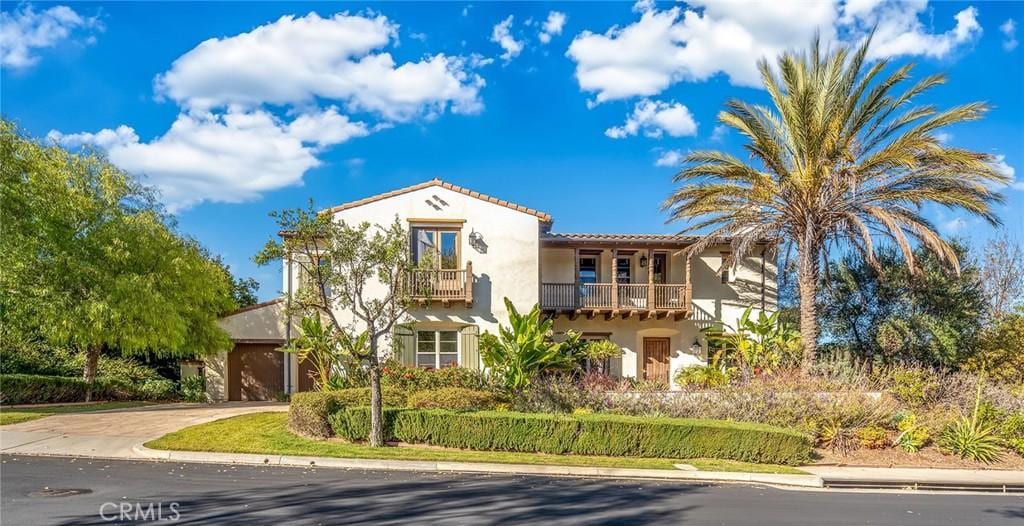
(505, 264)
(263, 323)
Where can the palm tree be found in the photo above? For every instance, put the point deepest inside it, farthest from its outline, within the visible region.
(841, 159)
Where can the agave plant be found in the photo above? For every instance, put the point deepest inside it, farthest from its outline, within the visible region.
(972, 438)
(844, 156)
(524, 349)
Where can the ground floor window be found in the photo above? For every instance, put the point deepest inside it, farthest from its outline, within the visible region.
(437, 349)
(598, 365)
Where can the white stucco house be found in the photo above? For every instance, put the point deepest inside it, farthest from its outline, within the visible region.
(638, 290)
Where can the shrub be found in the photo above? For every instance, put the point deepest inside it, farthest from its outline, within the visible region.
(1012, 432)
(701, 376)
(873, 437)
(454, 398)
(597, 434)
(157, 389)
(911, 436)
(412, 379)
(193, 388)
(308, 412)
(914, 387)
(39, 389)
(558, 393)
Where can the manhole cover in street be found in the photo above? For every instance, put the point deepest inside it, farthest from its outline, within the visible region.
(59, 492)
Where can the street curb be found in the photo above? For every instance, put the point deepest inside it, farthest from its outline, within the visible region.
(803, 481)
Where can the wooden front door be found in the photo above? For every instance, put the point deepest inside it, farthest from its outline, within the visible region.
(255, 371)
(656, 352)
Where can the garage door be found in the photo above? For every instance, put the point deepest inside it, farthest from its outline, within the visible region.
(255, 371)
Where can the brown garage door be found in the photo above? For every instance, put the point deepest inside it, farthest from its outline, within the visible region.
(255, 371)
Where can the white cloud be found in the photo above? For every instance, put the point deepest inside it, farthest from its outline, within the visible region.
(719, 132)
(952, 226)
(653, 118)
(23, 31)
(669, 159)
(943, 137)
(899, 30)
(256, 109)
(1000, 165)
(708, 38)
(466, 9)
(230, 157)
(297, 60)
(1009, 31)
(552, 26)
(501, 34)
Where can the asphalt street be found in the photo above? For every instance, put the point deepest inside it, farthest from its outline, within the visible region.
(58, 491)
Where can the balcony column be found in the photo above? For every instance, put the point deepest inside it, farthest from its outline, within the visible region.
(469, 283)
(576, 277)
(650, 279)
(615, 279)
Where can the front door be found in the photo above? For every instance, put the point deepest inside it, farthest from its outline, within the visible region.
(656, 352)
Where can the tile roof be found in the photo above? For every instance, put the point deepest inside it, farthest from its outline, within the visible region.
(556, 238)
(546, 218)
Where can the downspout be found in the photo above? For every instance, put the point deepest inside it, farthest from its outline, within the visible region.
(288, 388)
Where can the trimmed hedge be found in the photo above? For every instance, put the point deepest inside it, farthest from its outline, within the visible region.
(609, 435)
(454, 398)
(308, 412)
(40, 389)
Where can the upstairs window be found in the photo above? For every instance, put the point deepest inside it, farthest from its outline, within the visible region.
(435, 248)
(588, 269)
(623, 271)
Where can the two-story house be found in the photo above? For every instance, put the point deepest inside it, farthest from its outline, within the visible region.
(640, 291)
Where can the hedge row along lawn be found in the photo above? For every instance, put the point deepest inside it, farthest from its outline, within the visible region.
(16, 415)
(267, 434)
(594, 434)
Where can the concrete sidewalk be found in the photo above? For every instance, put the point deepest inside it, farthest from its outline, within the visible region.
(804, 481)
(114, 433)
(918, 478)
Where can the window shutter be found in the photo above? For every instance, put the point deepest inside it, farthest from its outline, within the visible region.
(469, 356)
(404, 348)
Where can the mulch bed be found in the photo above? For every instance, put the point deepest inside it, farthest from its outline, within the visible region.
(929, 457)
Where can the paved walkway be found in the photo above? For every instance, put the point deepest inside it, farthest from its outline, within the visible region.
(115, 433)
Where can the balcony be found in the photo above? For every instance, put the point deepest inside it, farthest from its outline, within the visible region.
(613, 299)
(446, 286)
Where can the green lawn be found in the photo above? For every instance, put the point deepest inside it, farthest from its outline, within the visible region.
(267, 433)
(17, 415)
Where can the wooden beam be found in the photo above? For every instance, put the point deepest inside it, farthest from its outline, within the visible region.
(591, 313)
(646, 315)
(574, 314)
(446, 302)
(628, 314)
(678, 315)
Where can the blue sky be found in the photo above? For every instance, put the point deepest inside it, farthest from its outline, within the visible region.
(576, 109)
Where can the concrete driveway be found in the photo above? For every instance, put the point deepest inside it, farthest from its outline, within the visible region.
(113, 433)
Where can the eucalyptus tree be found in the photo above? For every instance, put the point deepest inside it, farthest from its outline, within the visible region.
(843, 157)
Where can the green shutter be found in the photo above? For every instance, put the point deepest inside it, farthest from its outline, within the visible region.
(470, 354)
(404, 348)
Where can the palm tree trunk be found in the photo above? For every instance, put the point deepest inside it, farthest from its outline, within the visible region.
(807, 278)
(376, 407)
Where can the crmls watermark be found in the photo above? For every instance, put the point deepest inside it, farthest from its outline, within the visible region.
(139, 511)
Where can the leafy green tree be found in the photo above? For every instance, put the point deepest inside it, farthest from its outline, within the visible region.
(358, 269)
(891, 314)
(524, 349)
(999, 351)
(243, 290)
(843, 157)
(90, 262)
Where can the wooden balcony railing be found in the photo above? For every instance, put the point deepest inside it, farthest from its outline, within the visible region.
(444, 285)
(615, 297)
